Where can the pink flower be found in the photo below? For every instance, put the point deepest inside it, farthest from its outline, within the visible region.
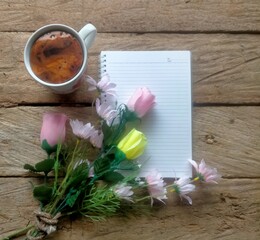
(141, 101)
(111, 100)
(92, 84)
(205, 173)
(103, 86)
(53, 128)
(183, 187)
(106, 112)
(156, 186)
(123, 191)
(96, 138)
(81, 130)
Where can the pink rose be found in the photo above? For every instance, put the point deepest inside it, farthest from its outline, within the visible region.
(53, 129)
(141, 101)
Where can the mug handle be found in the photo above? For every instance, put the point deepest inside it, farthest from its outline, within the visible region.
(88, 34)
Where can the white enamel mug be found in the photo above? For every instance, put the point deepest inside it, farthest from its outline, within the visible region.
(85, 37)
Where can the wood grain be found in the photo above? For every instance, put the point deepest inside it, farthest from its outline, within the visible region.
(134, 16)
(223, 36)
(226, 137)
(229, 210)
(225, 68)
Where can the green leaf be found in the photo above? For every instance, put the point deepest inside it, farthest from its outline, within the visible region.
(29, 167)
(45, 166)
(75, 180)
(72, 198)
(49, 149)
(101, 165)
(108, 134)
(42, 193)
(129, 115)
(113, 177)
(129, 165)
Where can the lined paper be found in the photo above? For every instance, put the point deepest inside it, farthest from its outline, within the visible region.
(168, 127)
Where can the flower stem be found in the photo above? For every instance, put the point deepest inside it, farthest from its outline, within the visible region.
(18, 233)
(56, 169)
(71, 165)
(63, 187)
(143, 198)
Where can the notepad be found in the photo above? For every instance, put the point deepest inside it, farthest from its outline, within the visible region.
(168, 126)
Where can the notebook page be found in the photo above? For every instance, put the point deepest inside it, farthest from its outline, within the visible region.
(168, 126)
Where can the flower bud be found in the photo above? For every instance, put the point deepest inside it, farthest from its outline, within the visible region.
(133, 144)
(53, 130)
(141, 101)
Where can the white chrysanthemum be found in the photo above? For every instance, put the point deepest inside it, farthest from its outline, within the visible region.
(81, 130)
(103, 86)
(96, 138)
(110, 100)
(123, 191)
(106, 112)
(182, 187)
(156, 186)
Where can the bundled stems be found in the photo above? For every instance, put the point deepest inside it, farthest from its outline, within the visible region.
(59, 193)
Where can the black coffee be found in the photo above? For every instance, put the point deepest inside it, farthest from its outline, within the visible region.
(56, 57)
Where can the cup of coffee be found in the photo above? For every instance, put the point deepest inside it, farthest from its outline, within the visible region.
(56, 56)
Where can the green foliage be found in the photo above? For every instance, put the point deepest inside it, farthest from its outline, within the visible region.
(79, 174)
(113, 177)
(49, 149)
(100, 203)
(106, 165)
(29, 167)
(72, 197)
(108, 134)
(73, 150)
(76, 192)
(129, 115)
(42, 193)
(129, 165)
(45, 166)
(119, 157)
(101, 165)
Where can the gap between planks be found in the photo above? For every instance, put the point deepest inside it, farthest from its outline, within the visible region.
(83, 104)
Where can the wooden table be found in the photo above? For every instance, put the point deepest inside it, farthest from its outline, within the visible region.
(223, 36)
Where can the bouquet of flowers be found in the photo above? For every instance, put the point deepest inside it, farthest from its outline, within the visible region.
(95, 172)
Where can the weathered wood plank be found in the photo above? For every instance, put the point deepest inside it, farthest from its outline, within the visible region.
(134, 16)
(226, 137)
(225, 68)
(232, 208)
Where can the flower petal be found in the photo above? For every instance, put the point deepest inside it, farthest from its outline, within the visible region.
(194, 164)
(187, 198)
(53, 128)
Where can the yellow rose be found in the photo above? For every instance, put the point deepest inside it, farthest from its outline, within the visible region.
(133, 144)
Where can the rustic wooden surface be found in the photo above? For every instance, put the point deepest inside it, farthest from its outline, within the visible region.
(223, 36)
(225, 67)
